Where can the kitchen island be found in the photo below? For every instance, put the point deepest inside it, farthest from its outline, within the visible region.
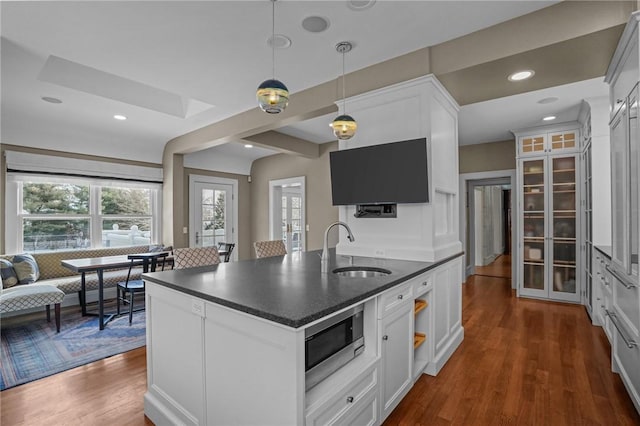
(225, 343)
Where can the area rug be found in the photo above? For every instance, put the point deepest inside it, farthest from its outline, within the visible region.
(33, 350)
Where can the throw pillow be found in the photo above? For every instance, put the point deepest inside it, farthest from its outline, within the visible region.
(26, 268)
(9, 277)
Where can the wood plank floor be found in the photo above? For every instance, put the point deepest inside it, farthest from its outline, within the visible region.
(523, 362)
(499, 268)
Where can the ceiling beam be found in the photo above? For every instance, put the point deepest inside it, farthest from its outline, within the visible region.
(285, 144)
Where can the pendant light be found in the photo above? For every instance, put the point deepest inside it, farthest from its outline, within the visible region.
(272, 94)
(344, 126)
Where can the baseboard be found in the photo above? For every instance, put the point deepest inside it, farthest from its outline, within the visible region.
(160, 414)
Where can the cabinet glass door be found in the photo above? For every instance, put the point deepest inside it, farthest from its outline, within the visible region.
(533, 232)
(564, 228)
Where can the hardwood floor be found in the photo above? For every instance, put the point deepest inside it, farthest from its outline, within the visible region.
(499, 268)
(522, 362)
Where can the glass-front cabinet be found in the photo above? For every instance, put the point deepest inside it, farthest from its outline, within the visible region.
(549, 222)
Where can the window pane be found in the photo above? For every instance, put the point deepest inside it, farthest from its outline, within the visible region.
(54, 198)
(52, 234)
(126, 201)
(126, 232)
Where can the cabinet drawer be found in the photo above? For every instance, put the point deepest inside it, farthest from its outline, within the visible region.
(626, 301)
(363, 413)
(628, 359)
(347, 401)
(395, 297)
(421, 284)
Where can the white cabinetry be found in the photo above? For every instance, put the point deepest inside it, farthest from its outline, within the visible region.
(548, 221)
(623, 75)
(396, 335)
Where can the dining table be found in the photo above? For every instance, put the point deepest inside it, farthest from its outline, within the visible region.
(148, 261)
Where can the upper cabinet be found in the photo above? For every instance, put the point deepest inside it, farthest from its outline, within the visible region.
(548, 142)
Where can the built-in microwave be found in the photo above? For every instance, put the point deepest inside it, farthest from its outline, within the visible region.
(332, 343)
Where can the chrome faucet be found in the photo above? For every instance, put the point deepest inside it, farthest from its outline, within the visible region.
(325, 249)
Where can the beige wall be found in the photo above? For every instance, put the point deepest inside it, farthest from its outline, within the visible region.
(487, 157)
(244, 244)
(319, 210)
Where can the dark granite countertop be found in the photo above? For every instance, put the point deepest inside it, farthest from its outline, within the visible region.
(291, 289)
(606, 250)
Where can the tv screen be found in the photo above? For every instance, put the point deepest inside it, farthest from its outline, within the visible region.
(387, 173)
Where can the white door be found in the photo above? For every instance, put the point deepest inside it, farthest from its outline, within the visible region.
(287, 212)
(292, 219)
(212, 214)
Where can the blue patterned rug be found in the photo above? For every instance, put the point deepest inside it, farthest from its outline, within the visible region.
(32, 350)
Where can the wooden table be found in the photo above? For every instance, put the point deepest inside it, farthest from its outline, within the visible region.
(99, 265)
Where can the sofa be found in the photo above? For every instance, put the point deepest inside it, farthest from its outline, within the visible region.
(52, 273)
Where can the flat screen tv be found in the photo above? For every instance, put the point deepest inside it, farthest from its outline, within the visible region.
(380, 174)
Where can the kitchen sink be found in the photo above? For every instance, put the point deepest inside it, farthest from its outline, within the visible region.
(361, 271)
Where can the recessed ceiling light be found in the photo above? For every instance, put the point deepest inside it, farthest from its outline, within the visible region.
(521, 75)
(315, 24)
(360, 4)
(549, 100)
(119, 117)
(248, 145)
(51, 100)
(549, 118)
(279, 41)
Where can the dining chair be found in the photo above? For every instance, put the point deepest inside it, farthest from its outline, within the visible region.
(190, 257)
(227, 248)
(135, 286)
(269, 248)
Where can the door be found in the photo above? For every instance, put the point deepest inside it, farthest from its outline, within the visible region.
(212, 214)
(292, 219)
(620, 191)
(287, 212)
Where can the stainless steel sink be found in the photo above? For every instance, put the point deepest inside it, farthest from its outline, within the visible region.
(361, 271)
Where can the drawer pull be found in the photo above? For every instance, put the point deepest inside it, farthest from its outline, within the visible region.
(349, 400)
(385, 337)
(400, 297)
(627, 284)
(424, 283)
(614, 319)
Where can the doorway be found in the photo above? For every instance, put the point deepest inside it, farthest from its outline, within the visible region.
(213, 211)
(486, 223)
(287, 212)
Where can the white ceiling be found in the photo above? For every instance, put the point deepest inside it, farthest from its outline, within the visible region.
(172, 67)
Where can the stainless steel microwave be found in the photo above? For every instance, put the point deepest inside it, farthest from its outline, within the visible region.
(332, 343)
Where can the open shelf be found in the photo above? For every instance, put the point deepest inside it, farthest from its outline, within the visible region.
(420, 305)
(418, 339)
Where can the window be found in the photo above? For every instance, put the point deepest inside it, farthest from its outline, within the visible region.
(55, 213)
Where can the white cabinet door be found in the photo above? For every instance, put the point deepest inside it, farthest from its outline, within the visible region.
(396, 331)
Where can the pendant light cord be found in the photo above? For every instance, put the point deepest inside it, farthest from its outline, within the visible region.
(273, 38)
(344, 83)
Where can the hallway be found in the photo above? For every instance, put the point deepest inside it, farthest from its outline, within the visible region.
(522, 362)
(499, 268)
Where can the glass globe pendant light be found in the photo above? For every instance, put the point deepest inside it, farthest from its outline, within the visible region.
(272, 94)
(344, 126)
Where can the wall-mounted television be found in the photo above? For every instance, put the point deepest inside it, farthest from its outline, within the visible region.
(380, 174)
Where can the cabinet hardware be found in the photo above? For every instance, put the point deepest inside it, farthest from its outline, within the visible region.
(622, 280)
(349, 399)
(385, 337)
(614, 319)
(619, 101)
(424, 283)
(400, 297)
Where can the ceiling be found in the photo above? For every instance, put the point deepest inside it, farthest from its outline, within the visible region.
(173, 67)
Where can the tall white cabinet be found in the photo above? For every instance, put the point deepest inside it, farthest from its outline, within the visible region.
(623, 76)
(549, 234)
